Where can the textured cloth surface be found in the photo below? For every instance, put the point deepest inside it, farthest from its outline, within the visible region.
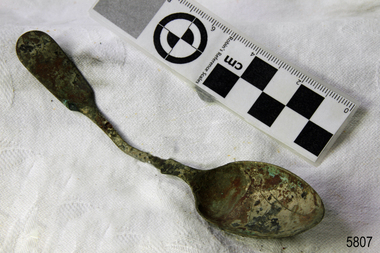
(65, 187)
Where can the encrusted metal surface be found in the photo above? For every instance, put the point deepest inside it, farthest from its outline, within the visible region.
(257, 199)
(44, 58)
(252, 199)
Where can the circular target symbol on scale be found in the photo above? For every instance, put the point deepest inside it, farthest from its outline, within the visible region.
(180, 38)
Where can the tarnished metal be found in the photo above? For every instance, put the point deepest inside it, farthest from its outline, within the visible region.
(251, 199)
(257, 200)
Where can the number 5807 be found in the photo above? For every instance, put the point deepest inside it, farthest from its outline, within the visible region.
(358, 241)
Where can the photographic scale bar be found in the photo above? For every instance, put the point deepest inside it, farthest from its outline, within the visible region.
(304, 114)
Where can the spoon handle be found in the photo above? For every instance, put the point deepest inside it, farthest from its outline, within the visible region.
(170, 166)
(95, 115)
(45, 59)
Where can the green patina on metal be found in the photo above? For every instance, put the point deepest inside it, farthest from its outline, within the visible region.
(273, 171)
(253, 199)
(284, 179)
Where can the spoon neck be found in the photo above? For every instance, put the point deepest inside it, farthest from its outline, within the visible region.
(95, 115)
(174, 168)
(169, 167)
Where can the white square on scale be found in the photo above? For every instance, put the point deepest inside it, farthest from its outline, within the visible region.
(242, 96)
(282, 86)
(329, 115)
(288, 126)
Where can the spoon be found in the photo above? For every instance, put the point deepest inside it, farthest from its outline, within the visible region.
(251, 199)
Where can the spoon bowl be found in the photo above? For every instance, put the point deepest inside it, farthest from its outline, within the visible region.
(257, 199)
(251, 199)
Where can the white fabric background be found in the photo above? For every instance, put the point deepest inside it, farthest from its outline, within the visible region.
(65, 187)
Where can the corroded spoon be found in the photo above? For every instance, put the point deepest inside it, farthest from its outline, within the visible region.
(252, 199)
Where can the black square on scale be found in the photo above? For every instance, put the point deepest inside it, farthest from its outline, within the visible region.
(266, 109)
(305, 101)
(259, 73)
(221, 80)
(313, 138)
